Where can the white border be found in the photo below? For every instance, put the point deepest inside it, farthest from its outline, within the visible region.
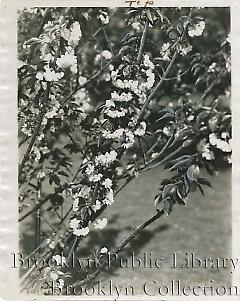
(8, 138)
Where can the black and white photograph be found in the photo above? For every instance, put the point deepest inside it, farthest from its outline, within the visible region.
(124, 151)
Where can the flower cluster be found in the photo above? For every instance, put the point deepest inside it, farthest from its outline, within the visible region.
(103, 17)
(67, 60)
(221, 144)
(49, 75)
(140, 86)
(101, 168)
(204, 148)
(196, 29)
(165, 51)
(207, 148)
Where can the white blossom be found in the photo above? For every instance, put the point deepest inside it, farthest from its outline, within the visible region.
(89, 169)
(116, 113)
(129, 140)
(85, 192)
(75, 34)
(82, 80)
(39, 76)
(147, 62)
(52, 76)
(95, 178)
(66, 60)
(74, 223)
(204, 148)
(106, 54)
(123, 97)
(51, 243)
(97, 206)
(104, 18)
(100, 223)
(185, 50)
(212, 67)
(81, 232)
(197, 29)
(117, 134)
(75, 205)
(166, 131)
(103, 250)
(59, 259)
(107, 158)
(140, 131)
(37, 153)
(41, 174)
(109, 198)
(165, 51)
(82, 99)
(106, 76)
(224, 135)
(220, 144)
(109, 103)
(74, 69)
(107, 183)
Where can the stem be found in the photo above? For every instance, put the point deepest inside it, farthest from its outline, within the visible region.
(136, 232)
(158, 86)
(142, 43)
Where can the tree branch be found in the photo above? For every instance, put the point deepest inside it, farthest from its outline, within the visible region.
(136, 232)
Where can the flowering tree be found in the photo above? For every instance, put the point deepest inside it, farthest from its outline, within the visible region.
(106, 94)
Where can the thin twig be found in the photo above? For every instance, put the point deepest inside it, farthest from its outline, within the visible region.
(142, 43)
